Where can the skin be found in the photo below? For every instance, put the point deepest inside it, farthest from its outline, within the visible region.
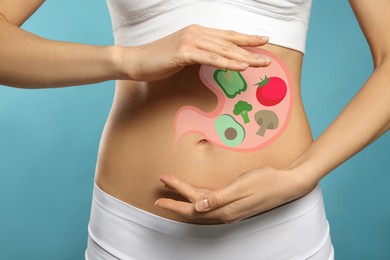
(205, 184)
(264, 188)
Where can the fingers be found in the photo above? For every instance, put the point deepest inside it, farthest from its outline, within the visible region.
(227, 204)
(231, 51)
(220, 198)
(179, 207)
(204, 204)
(185, 189)
(191, 45)
(228, 214)
(220, 48)
(243, 39)
(206, 200)
(216, 60)
(237, 38)
(229, 45)
(219, 61)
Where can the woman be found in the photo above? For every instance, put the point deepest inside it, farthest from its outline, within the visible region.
(124, 168)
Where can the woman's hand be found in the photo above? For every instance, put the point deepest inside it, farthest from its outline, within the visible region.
(251, 193)
(193, 44)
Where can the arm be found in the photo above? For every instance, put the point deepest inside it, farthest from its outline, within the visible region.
(345, 136)
(262, 189)
(30, 61)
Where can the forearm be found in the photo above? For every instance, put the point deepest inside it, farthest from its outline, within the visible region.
(30, 61)
(362, 121)
(33, 62)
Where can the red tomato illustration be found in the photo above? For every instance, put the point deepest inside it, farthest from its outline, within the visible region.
(271, 91)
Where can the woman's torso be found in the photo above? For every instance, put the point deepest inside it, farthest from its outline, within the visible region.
(137, 142)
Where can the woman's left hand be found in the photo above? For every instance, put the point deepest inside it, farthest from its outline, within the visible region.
(251, 193)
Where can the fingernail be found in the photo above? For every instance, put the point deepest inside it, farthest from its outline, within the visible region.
(261, 58)
(202, 205)
(266, 60)
(161, 179)
(264, 38)
(243, 64)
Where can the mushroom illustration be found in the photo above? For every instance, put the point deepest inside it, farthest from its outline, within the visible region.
(266, 119)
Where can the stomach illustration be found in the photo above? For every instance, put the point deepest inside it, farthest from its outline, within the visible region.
(253, 107)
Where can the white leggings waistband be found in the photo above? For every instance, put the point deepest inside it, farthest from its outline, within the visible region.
(298, 230)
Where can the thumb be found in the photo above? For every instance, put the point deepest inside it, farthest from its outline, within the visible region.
(217, 199)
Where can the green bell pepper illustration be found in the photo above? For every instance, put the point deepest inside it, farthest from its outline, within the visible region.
(231, 82)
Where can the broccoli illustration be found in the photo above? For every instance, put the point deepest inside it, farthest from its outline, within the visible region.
(242, 108)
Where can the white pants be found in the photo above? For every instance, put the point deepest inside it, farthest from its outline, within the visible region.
(298, 230)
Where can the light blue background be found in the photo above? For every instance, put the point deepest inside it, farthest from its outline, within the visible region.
(49, 141)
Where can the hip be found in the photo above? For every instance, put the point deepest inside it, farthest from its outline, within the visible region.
(297, 230)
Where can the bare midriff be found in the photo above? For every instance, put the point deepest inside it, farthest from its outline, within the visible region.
(137, 145)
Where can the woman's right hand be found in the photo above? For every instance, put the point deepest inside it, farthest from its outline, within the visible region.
(193, 44)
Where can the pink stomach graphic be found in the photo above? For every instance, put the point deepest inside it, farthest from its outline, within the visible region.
(246, 118)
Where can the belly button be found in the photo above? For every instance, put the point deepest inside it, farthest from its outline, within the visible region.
(203, 142)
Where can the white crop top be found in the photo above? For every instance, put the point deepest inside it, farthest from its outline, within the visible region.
(137, 22)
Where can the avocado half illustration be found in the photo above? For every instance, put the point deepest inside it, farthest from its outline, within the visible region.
(229, 130)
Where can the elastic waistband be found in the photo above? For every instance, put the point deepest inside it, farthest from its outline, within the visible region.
(159, 224)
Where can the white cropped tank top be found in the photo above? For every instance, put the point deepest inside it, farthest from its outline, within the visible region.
(136, 22)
